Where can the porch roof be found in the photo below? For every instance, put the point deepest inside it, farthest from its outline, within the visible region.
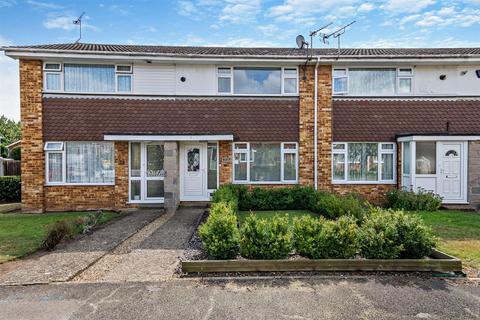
(378, 120)
(90, 119)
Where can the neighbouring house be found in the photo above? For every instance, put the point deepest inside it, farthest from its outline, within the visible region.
(120, 126)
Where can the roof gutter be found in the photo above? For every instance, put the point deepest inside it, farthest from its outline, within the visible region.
(315, 127)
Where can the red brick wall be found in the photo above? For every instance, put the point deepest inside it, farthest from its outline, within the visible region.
(33, 162)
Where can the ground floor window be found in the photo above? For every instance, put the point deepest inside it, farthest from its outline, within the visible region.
(360, 162)
(80, 163)
(265, 162)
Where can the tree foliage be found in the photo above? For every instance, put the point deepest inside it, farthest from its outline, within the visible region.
(9, 132)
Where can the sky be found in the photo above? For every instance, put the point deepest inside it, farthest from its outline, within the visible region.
(243, 23)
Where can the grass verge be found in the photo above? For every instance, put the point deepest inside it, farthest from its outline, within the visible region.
(458, 233)
(23, 234)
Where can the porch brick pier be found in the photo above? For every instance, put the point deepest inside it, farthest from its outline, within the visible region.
(171, 183)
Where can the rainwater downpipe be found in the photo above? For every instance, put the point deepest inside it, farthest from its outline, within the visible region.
(315, 127)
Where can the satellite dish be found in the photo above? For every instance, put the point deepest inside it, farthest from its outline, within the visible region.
(301, 42)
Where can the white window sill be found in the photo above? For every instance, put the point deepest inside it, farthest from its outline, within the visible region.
(265, 182)
(364, 182)
(78, 184)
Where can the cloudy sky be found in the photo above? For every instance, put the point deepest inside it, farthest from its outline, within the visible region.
(380, 23)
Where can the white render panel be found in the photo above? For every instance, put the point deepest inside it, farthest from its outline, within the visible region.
(457, 82)
(199, 80)
(154, 79)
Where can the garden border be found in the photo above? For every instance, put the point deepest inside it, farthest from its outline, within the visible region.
(438, 262)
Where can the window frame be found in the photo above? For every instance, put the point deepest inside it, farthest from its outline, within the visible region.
(64, 166)
(61, 72)
(380, 152)
(283, 77)
(283, 151)
(398, 76)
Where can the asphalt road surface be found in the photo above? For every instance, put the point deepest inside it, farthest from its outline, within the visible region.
(370, 297)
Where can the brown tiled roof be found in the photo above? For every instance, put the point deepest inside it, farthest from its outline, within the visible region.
(383, 120)
(247, 119)
(231, 51)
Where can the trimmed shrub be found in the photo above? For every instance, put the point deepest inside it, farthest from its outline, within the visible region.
(56, 233)
(379, 236)
(229, 193)
(335, 205)
(220, 235)
(265, 239)
(387, 234)
(417, 239)
(10, 188)
(413, 201)
(317, 238)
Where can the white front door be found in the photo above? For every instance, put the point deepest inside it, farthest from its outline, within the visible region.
(193, 165)
(451, 171)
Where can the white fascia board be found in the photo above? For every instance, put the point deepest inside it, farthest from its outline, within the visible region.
(133, 137)
(437, 138)
(75, 54)
(154, 58)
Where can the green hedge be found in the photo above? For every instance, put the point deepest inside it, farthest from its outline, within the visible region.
(388, 234)
(347, 227)
(265, 239)
(220, 235)
(10, 188)
(413, 201)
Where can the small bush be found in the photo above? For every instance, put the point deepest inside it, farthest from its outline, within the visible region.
(56, 233)
(388, 234)
(10, 188)
(220, 235)
(265, 239)
(413, 201)
(321, 239)
(417, 239)
(334, 205)
(90, 221)
(229, 193)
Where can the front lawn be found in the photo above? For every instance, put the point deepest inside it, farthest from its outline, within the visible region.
(242, 215)
(23, 234)
(458, 232)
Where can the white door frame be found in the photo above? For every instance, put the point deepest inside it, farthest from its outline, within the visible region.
(463, 170)
(143, 176)
(203, 170)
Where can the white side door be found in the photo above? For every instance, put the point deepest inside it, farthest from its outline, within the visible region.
(193, 164)
(451, 171)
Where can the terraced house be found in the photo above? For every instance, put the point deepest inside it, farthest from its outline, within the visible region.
(119, 126)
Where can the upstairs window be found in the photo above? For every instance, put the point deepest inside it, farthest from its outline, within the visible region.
(87, 78)
(257, 80)
(53, 80)
(372, 81)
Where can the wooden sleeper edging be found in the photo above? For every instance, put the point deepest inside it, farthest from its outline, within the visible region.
(439, 262)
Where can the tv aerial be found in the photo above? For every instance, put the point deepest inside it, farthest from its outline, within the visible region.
(337, 34)
(78, 23)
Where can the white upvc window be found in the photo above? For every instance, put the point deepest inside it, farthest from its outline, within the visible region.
(87, 77)
(290, 80)
(257, 80)
(79, 163)
(224, 80)
(364, 163)
(373, 81)
(265, 162)
(52, 76)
